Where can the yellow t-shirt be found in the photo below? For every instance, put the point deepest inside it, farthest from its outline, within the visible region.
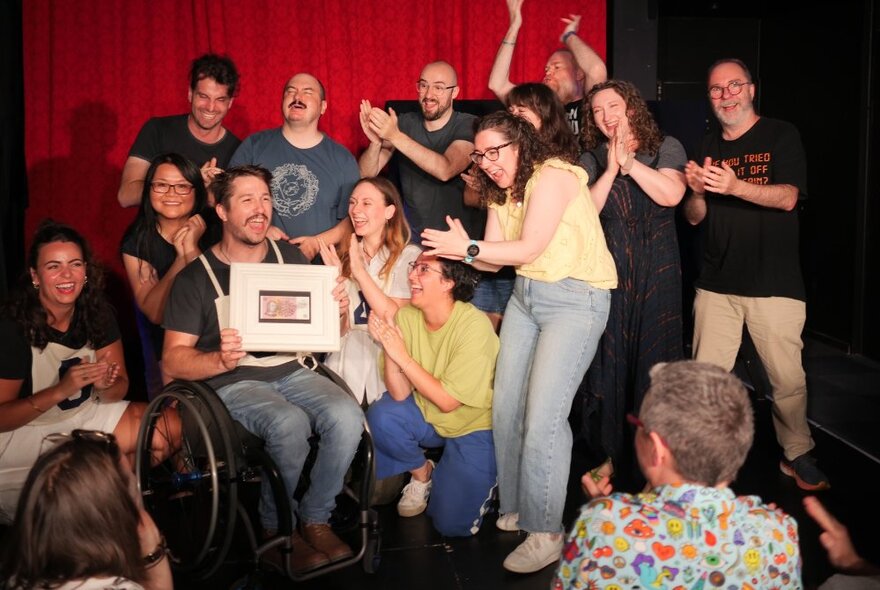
(577, 249)
(461, 355)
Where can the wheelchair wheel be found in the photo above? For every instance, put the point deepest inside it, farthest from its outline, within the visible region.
(192, 495)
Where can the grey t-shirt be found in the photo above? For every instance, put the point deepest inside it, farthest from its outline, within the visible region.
(428, 199)
(308, 185)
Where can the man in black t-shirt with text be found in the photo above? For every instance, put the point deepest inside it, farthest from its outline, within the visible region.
(745, 191)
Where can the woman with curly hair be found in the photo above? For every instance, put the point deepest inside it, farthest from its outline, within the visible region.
(61, 360)
(375, 263)
(543, 222)
(637, 180)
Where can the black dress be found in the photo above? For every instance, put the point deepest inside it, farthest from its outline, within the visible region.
(644, 324)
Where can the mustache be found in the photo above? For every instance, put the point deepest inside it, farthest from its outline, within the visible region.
(256, 218)
(296, 103)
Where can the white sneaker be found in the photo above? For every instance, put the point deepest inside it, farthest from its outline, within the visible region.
(535, 553)
(415, 497)
(508, 522)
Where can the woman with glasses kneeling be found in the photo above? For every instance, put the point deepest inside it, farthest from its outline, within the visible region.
(439, 361)
(80, 525)
(61, 360)
(542, 221)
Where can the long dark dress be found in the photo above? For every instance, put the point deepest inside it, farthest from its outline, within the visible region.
(645, 324)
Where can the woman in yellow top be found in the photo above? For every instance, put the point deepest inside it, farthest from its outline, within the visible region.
(543, 222)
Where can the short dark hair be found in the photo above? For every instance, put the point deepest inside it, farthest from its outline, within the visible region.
(464, 277)
(704, 416)
(222, 184)
(218, 67)
(555, 129)
(730, 60)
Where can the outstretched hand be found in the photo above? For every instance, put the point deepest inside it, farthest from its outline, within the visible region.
(451, 244)
(835, 538)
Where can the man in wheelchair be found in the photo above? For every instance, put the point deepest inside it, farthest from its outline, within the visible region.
(272, 395)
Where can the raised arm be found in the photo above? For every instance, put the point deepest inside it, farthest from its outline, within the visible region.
(499, 77)
(551, 195)
(587, 59)
(132, 185)
(443, 166)
(377, 154)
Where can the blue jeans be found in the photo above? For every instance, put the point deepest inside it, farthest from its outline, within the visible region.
(284, 413)
(464, 479)
(548, 338)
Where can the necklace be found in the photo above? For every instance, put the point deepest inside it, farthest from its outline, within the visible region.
(225, 255)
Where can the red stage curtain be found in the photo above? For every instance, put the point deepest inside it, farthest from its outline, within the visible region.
(95, 70)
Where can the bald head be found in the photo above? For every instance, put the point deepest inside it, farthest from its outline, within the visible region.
(440, 70)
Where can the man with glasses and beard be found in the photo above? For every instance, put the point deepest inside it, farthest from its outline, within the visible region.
(432, 147)
(745, 189)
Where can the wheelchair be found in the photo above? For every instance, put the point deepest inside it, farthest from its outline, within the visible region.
(195, 496)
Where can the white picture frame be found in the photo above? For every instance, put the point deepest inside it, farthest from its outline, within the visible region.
(284, 307)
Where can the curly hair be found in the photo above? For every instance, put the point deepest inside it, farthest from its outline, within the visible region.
(146, 223)
(554, 129)
(92, 311)
(463, 275)
(218, 67)
(61, 533)
(641, 122)
(397, 231)
(532, 152)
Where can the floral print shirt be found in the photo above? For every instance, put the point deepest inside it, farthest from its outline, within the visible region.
(681, 537)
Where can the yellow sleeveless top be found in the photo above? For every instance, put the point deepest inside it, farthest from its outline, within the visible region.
(577, 249)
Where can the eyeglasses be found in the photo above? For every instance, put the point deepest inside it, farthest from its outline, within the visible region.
(637, 422)
(490, 154)
(438, 88)
(421, 268)
(90, 436)
(163, 187)
(733, 89)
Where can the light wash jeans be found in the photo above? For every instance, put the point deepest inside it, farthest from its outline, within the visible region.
(284, 413)
(548, 338)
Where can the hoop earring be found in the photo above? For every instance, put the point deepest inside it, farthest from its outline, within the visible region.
(36, 285)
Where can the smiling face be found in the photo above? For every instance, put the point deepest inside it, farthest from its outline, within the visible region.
(563, 77)
(209, 103)
(302, 102)
(368, 211)
(436, 103)
(609, 111)
(732, 110)
(171, 205)
(427, 284)
(60, 274)
(247, 212)
(503, 170)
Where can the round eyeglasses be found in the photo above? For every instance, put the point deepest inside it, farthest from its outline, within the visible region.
(490, 154)
(733, 89)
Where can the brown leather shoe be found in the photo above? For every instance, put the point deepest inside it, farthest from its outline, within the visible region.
(304, 558)
(322, 538)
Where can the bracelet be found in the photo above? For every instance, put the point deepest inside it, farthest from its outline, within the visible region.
(506, 42)
(406, 366)
(565, 36)
(34, 405)
(158, 554)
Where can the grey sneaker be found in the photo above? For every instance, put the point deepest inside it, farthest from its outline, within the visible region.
(804, 471)
(415, 497)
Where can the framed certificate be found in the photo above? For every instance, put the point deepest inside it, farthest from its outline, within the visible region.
(284, 307)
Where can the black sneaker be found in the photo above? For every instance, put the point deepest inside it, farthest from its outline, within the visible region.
(804, 471)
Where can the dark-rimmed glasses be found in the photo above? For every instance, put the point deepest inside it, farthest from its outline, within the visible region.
(421, 268)
(733, 88)
(490, 154)
(438, 88)
(163, 187)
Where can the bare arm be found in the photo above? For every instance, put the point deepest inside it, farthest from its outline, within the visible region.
(377, 154)
(665, 186)
(403, 373)
(311, 245)
(132, 185)
(695, 203)
(499, 77)
(182, 360)
(550, 197)
(722, 180)
(587, 59)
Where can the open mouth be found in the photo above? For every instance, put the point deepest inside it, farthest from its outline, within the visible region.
(257, 222)
(296, 105)
(65, 288)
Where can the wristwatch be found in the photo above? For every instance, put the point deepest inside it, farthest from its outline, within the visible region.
(472, 251)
